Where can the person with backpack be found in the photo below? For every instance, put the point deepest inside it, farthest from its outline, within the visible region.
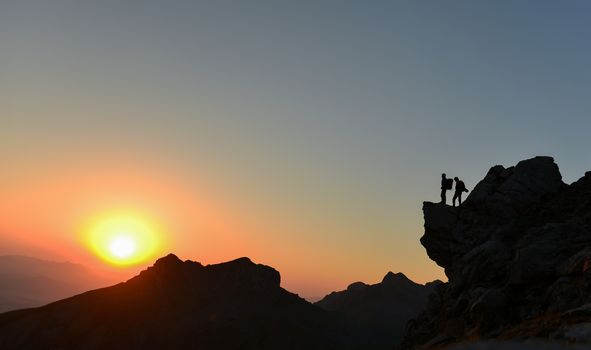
(446, 184)
(460, 188)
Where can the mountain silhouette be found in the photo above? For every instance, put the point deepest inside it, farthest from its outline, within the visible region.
(181, 305)
(380, 310)
(30, 282)
(517, 255)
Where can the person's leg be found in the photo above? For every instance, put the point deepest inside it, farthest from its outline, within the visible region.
(443, 196)
(454, 199)
(460, 199)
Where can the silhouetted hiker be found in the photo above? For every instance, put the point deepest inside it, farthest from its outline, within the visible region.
(460, 188)
(446, 184)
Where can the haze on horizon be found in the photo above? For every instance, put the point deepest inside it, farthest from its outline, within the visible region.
(304, 135)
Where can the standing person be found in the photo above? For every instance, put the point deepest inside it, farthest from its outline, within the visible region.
(446, 184)
(460, 188)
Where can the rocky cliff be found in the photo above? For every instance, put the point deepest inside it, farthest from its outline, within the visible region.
(517, 254)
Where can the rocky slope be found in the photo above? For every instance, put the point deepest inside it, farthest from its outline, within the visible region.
(517, 255)
(380, 310)
(181, 305)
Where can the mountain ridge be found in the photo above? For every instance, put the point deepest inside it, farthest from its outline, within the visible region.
(180, 304)
(236, 304)
(382, 309)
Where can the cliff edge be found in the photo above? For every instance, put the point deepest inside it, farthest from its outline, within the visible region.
(517, 255)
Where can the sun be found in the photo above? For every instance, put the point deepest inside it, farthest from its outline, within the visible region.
(123, 239)
(123, 246)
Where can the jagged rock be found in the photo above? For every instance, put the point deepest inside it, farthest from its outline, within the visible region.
(578, 264)
(516, 255)
(455, 327)
(442, 220)
(506, 191)
(488, 309)
(579, 333)
(553, 244)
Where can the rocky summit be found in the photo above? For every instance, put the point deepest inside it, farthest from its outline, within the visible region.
(517, 255)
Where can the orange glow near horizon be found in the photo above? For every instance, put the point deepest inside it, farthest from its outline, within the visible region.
(54, 211)
(123, 239)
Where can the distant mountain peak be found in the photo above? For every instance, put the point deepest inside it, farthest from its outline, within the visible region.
(381, 309)
(243, 259)
(357, 286)
(238, 274)
(168, 260)
(395, 278)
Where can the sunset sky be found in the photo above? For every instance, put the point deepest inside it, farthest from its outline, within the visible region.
(302, 134)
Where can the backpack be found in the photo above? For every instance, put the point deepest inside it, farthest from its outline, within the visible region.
(448, 184)
(461, 187)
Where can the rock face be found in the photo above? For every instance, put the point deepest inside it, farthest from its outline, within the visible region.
(517, 254)
(380, 310)
(180, 305)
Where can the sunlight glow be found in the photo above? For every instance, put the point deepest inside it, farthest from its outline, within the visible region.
(123, 239)
(122, 246)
